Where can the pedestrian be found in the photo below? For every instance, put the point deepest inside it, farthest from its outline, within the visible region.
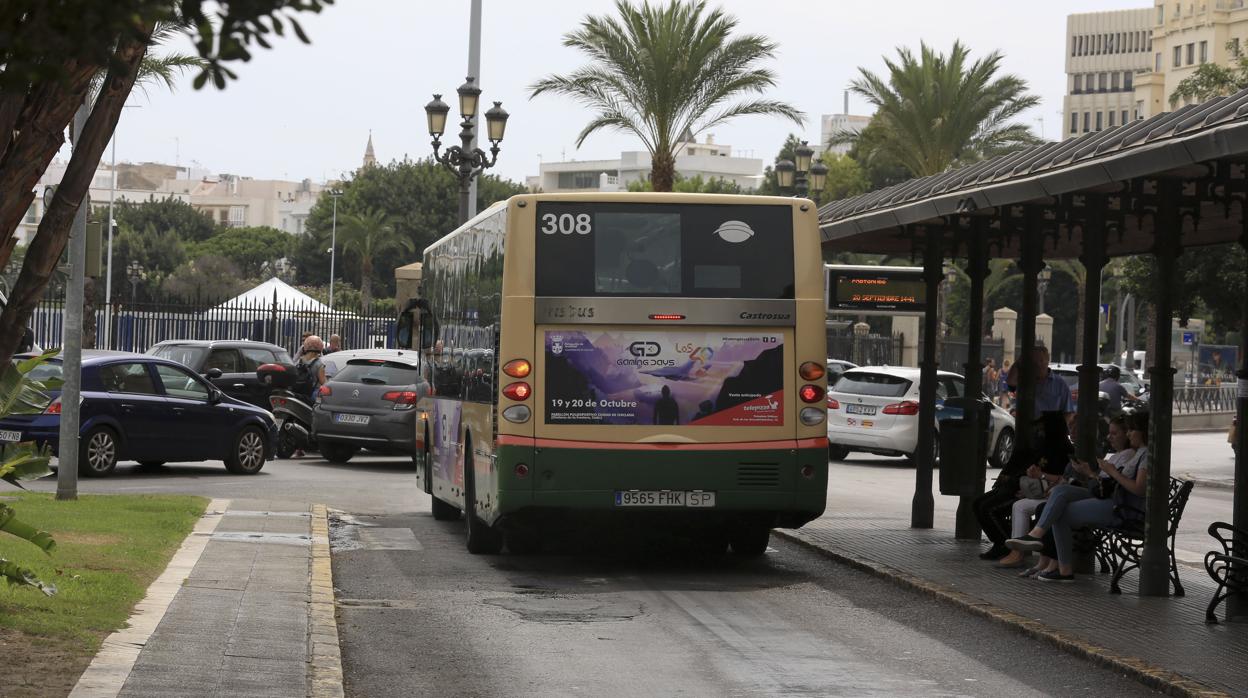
(27, 342)
(1003, 388)
(309, 371)
(335, 344)
(990, 377)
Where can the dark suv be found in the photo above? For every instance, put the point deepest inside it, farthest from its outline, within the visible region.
(229, 364)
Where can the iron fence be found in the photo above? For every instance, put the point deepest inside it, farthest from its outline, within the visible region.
(137, 326)
(953, 353)
(1204, 399)
(865, 350)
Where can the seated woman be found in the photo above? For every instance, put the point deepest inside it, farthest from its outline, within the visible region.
(1070, 507)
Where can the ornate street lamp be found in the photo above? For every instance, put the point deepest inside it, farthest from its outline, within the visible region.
(134, 271)
(465, 161)
(793, 174)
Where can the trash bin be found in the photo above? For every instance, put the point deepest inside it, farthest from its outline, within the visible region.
(963, 457)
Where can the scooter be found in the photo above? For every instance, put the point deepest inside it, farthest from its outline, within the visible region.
(292, 411)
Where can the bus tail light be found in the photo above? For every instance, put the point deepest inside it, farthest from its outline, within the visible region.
(518, 368)
(402, 399)
(909, 407)
(811, 416)
(517, 414)
(810, 393)
(811, 371)
(519, 391)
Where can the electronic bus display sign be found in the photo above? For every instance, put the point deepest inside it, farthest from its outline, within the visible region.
(732, 378)
(885, 290)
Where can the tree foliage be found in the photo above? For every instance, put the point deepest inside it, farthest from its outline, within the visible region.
(206, 276)
(1211, 80)
(367, 236)
(159, 254)
(253, 251)
(660, 72)
(936, 111)
(1209, 281)
(165, 216)
(691, 185)
(51, 59)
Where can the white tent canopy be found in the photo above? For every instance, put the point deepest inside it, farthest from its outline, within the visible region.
(261, 298)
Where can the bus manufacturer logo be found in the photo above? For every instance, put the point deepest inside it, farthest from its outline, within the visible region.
(734, 231)
(644, 349)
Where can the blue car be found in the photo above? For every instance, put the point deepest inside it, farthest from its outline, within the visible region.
(146, 409)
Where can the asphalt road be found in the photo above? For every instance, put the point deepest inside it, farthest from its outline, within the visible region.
(418, 615)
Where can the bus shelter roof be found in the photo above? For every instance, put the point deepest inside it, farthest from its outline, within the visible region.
(1205, 146)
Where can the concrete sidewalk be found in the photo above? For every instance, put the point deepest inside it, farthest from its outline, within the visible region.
(248, 620)
(1161, 641)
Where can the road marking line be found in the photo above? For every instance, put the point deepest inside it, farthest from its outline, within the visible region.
(323, 649)
(112, 664)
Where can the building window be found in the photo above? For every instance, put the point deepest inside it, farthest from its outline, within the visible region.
(1074, 122)
(1087, 116)
(1078, 84)
(1124, 117)
(1126, 81)
(1204, 52)
(1111, 118)
(1178, 56)
(238, 216)
(1235, 48)
(1161, 14)
(579, 180)
(1098, 121)
(1191, 54)
(1157, 67)
(223, 215)
(1100, 82)
(1113, 81)
(1074, 46)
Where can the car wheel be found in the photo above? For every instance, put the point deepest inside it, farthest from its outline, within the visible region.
(750, 539)
(837, 452)
(97, 453)
(1005, 449)
(337, 454)
(247, 455)
(914, 457)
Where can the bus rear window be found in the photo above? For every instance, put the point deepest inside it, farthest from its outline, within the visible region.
(701, 250)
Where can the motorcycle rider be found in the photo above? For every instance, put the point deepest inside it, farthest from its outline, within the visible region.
(1115, 391)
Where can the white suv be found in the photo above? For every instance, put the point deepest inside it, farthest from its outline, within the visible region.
(875, 409)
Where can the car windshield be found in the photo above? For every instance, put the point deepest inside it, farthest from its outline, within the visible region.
(875, 384)
(185, 354)
(377, 372)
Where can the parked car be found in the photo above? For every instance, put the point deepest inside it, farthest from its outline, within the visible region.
(1070, 374)
(370, 402)
(142, 408)
(228, 365)
(838, 366)
(875, 409)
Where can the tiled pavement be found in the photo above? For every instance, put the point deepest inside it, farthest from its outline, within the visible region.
(239, 625)
(1169, 633)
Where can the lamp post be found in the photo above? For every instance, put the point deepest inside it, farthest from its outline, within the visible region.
(801, 176)
(134, 271)
(333, 243)
(465, 161)
(1042, 285)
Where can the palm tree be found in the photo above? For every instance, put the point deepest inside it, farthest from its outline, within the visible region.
(935, 111)
(665, 74)
(368, 235)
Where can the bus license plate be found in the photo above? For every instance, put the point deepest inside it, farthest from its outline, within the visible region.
(859, 409)
(665, 498)
(351, 418)
(10, 436)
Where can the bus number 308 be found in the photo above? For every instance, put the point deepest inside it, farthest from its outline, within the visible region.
(581, 224)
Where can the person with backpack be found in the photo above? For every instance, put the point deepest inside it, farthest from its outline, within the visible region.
(309, 369)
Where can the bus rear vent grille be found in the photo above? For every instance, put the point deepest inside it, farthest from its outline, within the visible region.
(758, 475)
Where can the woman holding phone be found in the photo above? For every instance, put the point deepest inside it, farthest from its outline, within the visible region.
(1070, 507)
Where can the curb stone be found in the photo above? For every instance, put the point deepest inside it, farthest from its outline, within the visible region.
(1168, 682)
(324, 653)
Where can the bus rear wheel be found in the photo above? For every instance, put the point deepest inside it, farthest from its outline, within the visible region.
(483, 539)
(750, 539)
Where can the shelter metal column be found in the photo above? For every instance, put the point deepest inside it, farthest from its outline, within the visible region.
(1031, 263)
(1155, 560)
(922, 508)
(1237, 604)
(966, 525)
(1093, 259)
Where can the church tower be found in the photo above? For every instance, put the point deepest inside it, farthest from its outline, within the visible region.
(370, 158)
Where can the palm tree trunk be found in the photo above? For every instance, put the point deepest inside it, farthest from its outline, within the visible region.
(366, 285)
(663, 171)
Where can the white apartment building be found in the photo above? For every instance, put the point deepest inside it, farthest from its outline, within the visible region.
(710, 160)
(237, 201)
(1186, 34)
(1106, 52)
(835, 124)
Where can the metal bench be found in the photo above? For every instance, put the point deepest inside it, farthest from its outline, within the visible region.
(1228, 568)
(1123, 546)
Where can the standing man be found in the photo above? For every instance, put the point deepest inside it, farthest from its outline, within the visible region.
(334, 344)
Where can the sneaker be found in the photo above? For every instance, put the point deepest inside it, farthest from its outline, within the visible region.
(996, 552)
(1026, 543)
(1055, 576)
(1029, 572)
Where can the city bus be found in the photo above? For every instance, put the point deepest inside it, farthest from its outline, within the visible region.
(626, 358)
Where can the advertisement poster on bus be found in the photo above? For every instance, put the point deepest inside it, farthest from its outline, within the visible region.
(444, 446)
(726, 378)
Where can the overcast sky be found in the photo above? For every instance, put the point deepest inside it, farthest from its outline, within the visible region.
(306, 110)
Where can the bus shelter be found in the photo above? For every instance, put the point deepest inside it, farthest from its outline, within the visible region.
(1150, 187)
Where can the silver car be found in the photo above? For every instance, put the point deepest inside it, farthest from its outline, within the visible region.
(369, 402)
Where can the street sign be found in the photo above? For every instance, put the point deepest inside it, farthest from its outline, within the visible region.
(875, 290)
(1189, 339)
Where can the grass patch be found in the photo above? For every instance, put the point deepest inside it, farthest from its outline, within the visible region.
(109, 549)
